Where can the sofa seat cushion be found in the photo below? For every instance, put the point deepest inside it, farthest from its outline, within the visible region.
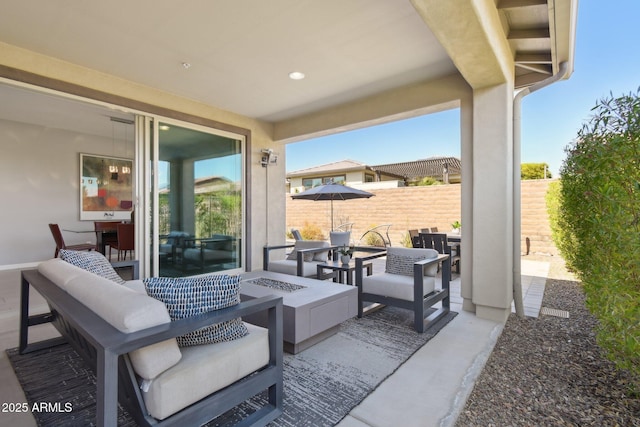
(93, 262)
(221, 364)
(189, 296)
(291, 267)
(395, 285)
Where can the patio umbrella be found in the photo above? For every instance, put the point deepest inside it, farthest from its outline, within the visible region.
(332, 192)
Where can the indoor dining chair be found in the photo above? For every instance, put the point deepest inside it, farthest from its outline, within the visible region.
(57, 237)
(125, 241)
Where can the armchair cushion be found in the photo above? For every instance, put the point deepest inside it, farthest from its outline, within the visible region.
(92, 261)
(401, 260)
(186, 297)
(395, 285)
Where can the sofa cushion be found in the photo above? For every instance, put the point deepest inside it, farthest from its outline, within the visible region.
(93, 262)
(310, 244)
(189, 296)
(221, 364)
(285, 266)
(397, 286)
(136, 285)
(401, 260)
(128, 311)
(60, 272)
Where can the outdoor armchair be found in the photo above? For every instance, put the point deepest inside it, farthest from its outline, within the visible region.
(301, 261)
(408, 282)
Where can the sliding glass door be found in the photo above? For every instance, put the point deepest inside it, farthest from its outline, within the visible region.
(196, 200)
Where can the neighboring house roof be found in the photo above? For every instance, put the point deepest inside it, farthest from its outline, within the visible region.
(433, 166)
(331, 168)
(340, 166)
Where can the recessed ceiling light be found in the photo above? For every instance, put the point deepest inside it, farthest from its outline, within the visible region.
(186, 65)
(296, 75)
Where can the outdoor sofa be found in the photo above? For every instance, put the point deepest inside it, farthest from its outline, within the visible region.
(128, 338)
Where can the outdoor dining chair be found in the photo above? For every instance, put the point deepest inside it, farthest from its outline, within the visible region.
(440, 243)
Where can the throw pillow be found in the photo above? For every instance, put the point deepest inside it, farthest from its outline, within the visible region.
(92, 261)
(190, 296)
(306, 257)
(403, 264)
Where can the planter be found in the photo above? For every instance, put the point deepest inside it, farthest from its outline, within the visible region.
(345, 259)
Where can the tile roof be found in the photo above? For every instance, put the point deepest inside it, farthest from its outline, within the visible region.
(432, 166)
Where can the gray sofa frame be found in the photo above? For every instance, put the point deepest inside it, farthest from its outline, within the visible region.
(420, 305)
(106, 350)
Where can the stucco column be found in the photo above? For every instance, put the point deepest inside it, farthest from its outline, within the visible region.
(466, 145)
(492, 217)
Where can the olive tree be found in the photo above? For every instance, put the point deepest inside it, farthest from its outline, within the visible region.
(600, 207)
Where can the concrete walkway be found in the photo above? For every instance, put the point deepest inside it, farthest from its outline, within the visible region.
(432, 387)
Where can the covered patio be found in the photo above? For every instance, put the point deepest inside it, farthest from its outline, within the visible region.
(234, 69)
(433, 398)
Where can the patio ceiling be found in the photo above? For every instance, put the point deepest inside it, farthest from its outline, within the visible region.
(240, 52)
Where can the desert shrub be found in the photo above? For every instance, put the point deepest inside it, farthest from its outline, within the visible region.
(311, 232)
(600, 206)
(373, 238)
(406, 241)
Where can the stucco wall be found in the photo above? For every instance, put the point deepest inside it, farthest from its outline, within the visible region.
(418, 207)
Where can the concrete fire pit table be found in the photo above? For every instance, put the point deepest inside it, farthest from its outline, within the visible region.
(313, 309)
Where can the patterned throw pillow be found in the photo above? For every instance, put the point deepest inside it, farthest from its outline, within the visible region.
(403, 264)
(190, 296)
(92, 261)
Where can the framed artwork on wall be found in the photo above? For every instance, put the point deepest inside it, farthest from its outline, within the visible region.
(106, 188)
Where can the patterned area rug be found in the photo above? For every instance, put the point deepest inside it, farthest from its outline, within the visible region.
(321, 384)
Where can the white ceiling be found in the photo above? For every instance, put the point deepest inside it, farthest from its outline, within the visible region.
(240, 51)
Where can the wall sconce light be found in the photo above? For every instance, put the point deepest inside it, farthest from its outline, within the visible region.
(268, 156)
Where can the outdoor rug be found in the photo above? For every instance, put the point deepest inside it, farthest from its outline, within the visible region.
(321, 384)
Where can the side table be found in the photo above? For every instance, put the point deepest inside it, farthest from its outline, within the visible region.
(340, 270)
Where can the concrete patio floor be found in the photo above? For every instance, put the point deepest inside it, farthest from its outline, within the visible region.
(430, 389)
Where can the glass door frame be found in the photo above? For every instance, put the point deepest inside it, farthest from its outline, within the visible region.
(149, 140)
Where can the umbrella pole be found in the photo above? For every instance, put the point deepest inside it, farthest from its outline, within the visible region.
(331, 214)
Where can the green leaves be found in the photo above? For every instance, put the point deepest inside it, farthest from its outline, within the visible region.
(595, 217)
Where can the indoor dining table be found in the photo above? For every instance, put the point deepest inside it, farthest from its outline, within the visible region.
(103, 237)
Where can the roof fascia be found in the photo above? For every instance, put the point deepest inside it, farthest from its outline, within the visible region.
(409, 101)
(472, 34)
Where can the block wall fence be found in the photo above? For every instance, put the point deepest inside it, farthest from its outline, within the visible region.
(420, 207)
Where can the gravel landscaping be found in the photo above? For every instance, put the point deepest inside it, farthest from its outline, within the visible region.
(550, 372)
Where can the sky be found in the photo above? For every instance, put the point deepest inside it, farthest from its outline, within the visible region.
(606, 62)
